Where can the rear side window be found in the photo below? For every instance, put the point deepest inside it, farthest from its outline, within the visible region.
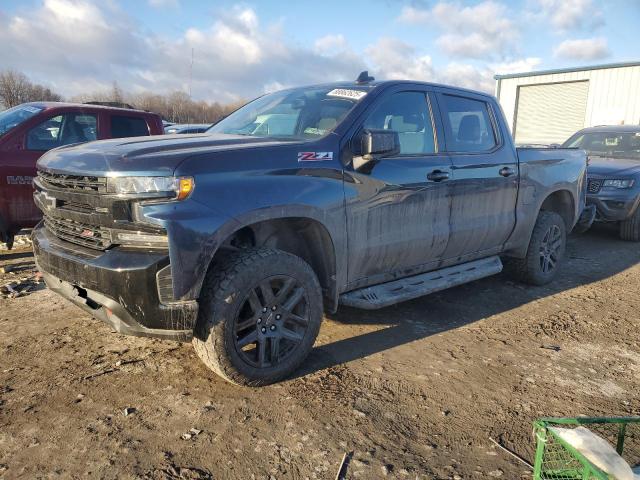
(122, 126)
(468, 124)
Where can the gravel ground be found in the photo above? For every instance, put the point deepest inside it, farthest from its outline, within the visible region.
(414, 391)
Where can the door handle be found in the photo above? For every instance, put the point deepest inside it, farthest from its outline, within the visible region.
(507, 172)
(438, 176)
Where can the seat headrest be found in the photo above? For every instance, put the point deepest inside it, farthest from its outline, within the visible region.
(411, 123)
(469, 129)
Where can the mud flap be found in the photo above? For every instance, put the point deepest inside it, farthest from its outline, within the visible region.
(5, 235)
(587, 217)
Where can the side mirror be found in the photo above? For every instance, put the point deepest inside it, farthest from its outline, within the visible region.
(555, 145)
(375, 144)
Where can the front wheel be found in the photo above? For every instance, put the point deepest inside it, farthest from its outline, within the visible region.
(260, 313)
(630, 228)
(545, 252)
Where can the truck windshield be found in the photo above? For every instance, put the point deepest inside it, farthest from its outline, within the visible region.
(15, 116)
(306, 113)
(608, 144)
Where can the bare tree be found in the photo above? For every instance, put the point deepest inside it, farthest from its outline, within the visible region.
(177, 106)
(15, 88)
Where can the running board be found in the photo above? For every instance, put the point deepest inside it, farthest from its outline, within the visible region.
(385, 294)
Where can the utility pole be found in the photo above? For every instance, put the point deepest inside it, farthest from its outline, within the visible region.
(190, 83)
(191, 74)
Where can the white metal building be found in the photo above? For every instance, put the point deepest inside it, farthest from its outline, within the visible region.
(549, 106)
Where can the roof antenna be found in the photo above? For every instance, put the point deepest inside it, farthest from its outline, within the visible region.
(364, 77)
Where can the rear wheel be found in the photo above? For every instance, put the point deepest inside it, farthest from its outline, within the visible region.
(545, 252)
(260, 313)
(630, 228)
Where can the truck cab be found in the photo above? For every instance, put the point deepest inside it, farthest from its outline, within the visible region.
(29, 130)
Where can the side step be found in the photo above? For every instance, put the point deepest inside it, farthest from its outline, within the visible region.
(385, 294)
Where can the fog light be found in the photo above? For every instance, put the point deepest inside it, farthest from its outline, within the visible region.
(142, 239)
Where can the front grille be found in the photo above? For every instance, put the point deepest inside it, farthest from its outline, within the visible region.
(86, 235)
(81, 183)
(594, 185)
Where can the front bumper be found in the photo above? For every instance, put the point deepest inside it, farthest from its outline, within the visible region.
(614, 207)
(117, 286)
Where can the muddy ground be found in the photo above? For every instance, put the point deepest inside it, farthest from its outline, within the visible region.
(415, 391)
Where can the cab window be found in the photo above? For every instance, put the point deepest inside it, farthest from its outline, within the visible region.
(468, 124)
(408, 114)
(122, 127)
(62, 130)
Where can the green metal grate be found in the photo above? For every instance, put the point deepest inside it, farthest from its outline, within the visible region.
(556, 460)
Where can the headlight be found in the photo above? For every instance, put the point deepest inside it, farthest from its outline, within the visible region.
(171, 187)
(619, 183)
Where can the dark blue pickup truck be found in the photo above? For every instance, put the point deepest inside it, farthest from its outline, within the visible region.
(358, 193)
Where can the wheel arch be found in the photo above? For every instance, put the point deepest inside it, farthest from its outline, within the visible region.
(303, 236)
(562, 202)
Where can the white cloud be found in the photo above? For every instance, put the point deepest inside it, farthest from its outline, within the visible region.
(516, 66)
(414, 15)
(394, 59)
(331, 44)
(565, 15)
(164, 3)
(481, 31)
(582, 49)
(79, 46)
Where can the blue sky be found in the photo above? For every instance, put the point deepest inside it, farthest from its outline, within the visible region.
(242, 49)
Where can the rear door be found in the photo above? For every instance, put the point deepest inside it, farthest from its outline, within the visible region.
(484, 180)
(397, 209)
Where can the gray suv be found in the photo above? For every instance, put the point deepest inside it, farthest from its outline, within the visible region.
(613, 174)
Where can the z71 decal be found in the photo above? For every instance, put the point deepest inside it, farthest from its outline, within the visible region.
(315, 156)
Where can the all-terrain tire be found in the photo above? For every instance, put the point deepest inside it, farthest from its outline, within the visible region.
(530, 269)
(225, 296)
(630, 228)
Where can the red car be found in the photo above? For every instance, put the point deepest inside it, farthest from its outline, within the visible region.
(29, 130)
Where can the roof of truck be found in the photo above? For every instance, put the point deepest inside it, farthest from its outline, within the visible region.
(381, 83)
(86, 106)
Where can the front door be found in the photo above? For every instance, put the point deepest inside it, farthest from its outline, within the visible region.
(398, 207)
(57, 130)
(484, 180)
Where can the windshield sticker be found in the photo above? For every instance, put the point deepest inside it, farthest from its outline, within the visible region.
(31, 109)
(346, 93)
(315, 156)
(314, 131)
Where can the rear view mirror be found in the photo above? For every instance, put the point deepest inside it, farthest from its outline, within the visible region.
(375, 144)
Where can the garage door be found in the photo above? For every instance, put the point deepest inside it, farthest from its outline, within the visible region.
(550, 113)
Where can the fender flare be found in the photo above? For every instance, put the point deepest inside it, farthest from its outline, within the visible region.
(227, 229)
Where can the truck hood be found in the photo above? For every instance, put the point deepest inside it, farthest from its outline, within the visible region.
(618, 167)
(157, 155)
